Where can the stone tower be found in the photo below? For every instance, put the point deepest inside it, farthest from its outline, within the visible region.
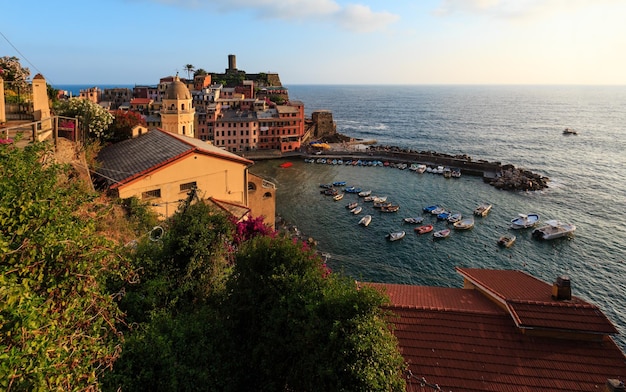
(177, 112)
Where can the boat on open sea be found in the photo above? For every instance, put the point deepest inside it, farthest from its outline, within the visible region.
(366, 220)
(570, 131)
(524, 221)
(553, 229)
(396, 235)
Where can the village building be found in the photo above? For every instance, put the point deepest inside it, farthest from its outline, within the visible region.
(161, 168)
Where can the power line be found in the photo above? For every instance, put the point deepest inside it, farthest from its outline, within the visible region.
(20, 53)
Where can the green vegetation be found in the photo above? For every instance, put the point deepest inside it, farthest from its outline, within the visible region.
(91, 117)
(97, 294)
(58, 324)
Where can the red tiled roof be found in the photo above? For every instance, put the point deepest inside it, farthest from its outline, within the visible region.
(530, 302)
(140, 101)
(461, 340)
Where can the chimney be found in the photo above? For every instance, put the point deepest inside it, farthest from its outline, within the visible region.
(614, 385)
(561, 289)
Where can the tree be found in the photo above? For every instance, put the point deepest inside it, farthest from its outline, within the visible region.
(58, 324)
(200, 71)
(299, 328)
(92, 118)
(123, 123)
(189, 68)
(12, 71)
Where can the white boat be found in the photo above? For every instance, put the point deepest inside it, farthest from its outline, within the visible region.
(455, 217)
(524, 221)
(482, 209)
(445, 233)
(414, 220)
(420, 169)
(553, 229)
(365, 193)
(464, 224)
(396, 235)
(366, 220)
(438, 211)
(356, 210)
(379, 199)
(338, 197)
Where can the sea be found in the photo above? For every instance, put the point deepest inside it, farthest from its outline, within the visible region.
(518, 125)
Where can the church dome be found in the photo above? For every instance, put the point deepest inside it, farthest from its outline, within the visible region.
(177, 90)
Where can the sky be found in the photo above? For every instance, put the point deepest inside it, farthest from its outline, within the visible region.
(402, 42)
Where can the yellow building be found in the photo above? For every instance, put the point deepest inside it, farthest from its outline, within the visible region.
(177, 112)
(161, 168)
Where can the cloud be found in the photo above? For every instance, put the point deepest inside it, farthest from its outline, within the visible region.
(513, 9)
(352, 17)
(361, 19)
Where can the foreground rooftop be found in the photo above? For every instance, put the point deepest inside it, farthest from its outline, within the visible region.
(504, 331)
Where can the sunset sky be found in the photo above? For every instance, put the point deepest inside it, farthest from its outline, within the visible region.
(321, 41)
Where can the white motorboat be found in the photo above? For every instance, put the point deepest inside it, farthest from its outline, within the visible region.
(396, 235)
(356, 210)
(553, 229)
(464, 224)
(414, 220)
(524, 221)
(445, 233)
(366, 220)
(455, 217)
(365, 193)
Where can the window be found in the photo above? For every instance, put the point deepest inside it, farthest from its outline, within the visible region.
(153, 194)
(187, 186)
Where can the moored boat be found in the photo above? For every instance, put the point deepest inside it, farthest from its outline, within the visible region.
(430, 208)
(553, 229)
(352, 205)
(506, 240)
(445, 233)
(424, 229)
(366, 220)
(396, 235)
(356, 210)
(483, 209)
(381, 204)
(390, 208)
(365, 193)
(455, 217)
(444, 215)
(524, 221)
(464, 224)
(414, 220)
(338, 197)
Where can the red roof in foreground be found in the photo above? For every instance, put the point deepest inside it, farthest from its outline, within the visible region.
(472, 339)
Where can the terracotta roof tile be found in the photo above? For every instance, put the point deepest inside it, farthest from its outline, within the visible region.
(463, 341)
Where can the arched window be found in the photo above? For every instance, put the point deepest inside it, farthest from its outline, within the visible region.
(251, 187)
(267, 195)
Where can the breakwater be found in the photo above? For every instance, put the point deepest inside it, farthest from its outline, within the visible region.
(506, 177)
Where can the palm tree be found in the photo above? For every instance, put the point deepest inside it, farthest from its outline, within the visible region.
(190, 68)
